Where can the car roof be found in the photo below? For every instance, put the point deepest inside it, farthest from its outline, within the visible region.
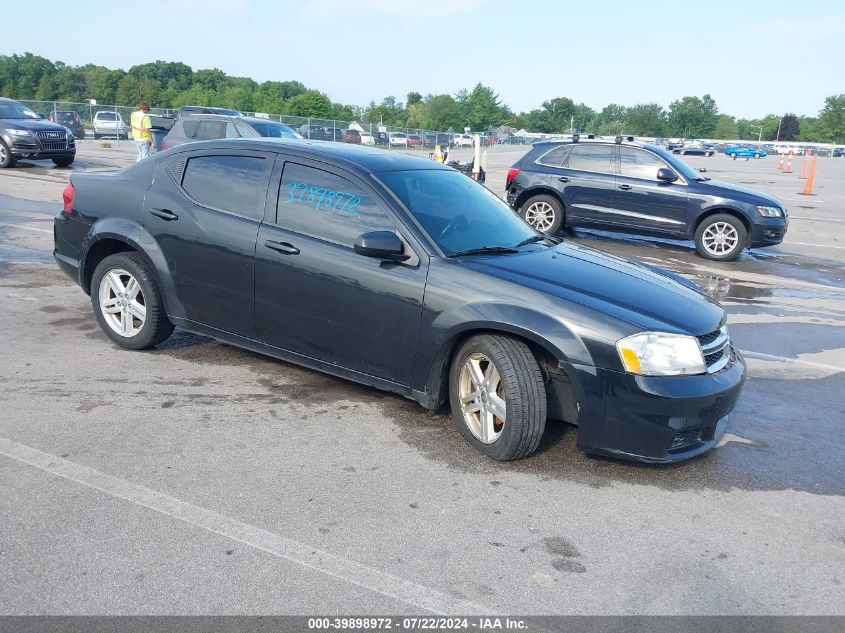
(597, 141)
(358, 158)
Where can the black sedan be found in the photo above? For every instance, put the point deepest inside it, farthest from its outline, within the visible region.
(401, 273)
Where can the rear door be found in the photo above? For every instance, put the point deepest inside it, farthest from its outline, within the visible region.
(203, 211)
(643, 202)
(584, 177)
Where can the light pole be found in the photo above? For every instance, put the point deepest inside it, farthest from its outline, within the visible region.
(759, 135)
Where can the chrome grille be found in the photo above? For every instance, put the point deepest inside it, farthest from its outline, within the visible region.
(52, 140)
(716, 348)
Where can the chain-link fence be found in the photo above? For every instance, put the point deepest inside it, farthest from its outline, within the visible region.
(115, 122)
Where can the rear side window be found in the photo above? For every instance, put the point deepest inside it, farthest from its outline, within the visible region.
(217, 129)
(191, 126)
(230, 183)
(637, 163)
(596, 158)
(323, 205)
(556, 157)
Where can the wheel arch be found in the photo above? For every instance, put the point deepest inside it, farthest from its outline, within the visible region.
(739, 215)
(114, 235)
(553, 362)
(539, 191)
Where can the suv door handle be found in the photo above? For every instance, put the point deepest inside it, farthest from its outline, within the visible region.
(625, 187)
(286, 248)
(164, 214)
(563, 179)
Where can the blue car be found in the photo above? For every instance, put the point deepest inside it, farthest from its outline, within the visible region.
(743, 151)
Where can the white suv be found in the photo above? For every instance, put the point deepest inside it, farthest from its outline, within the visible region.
(110, 124)
(462, 140)
(398, 139)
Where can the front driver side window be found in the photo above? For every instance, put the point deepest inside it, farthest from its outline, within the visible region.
(637, 163)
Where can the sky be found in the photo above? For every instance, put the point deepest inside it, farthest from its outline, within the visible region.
(753, 57)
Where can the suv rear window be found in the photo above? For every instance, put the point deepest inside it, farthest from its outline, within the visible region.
(106, 116)
(556, 157)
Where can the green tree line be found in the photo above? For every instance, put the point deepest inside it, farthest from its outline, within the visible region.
(173, 84)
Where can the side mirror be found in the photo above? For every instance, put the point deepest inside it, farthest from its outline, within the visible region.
(666, 175)
(382, 245)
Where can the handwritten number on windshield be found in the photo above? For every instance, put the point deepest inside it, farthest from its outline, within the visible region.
(341, 202)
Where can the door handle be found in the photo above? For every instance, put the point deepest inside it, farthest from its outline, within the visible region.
(164, 214)
(286, 248)
(563, 179)
(625, 187)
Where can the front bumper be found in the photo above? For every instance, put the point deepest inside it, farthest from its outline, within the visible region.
(22, 147)
(654, 418)
(768, 232)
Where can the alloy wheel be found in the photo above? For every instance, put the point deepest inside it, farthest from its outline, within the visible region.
(122, 303)
(540, 215)
(483, 400)
(720, 238)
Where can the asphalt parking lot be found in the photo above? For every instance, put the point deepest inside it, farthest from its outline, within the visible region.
(197, 478)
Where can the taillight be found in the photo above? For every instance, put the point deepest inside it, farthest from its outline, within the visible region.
(512, 172)
(67, 198)
(164, 143)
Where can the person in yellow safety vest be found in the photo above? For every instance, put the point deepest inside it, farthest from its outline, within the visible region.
(141, 124)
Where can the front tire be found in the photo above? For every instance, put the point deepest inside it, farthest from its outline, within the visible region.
(756, 155)
(544, 213)
(497, 396)
(6, 158)
(720, 237)
(127, 302)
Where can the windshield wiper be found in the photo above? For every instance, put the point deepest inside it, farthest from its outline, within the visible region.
(531, 240)
(485, 250)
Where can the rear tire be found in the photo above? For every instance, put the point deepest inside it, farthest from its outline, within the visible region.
(720, 237)
(543, 212)
(6, 158)
(127, 302)
(733, 155)
(497, 396)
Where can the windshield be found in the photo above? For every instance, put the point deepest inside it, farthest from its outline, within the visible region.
(272, 129)
(677, 164)
(15, 110)
(456, 212)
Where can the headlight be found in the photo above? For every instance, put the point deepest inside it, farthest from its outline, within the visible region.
(770, 212)
(661, 354)
(18, 132)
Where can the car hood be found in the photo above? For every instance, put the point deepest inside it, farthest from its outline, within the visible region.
(730, 190)
(33, 125)
(646, 296)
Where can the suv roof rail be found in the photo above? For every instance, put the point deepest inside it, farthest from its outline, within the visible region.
(619, 139)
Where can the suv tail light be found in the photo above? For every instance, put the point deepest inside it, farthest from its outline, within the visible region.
(67, 198)
(164, 143)
(512, 172)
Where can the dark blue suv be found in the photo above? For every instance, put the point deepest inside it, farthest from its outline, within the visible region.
(635, 187)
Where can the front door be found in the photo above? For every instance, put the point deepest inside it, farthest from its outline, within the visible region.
(315, 296)
(203, 211)
(642, 201)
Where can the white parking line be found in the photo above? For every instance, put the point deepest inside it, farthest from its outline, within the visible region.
(784, 359)
(801, 217)
(841, 248)
(369, 578)
(23, 226)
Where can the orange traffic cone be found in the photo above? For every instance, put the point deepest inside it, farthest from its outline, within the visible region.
(808, 187)
(788, 169)
(780, 163)
(804, 161)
